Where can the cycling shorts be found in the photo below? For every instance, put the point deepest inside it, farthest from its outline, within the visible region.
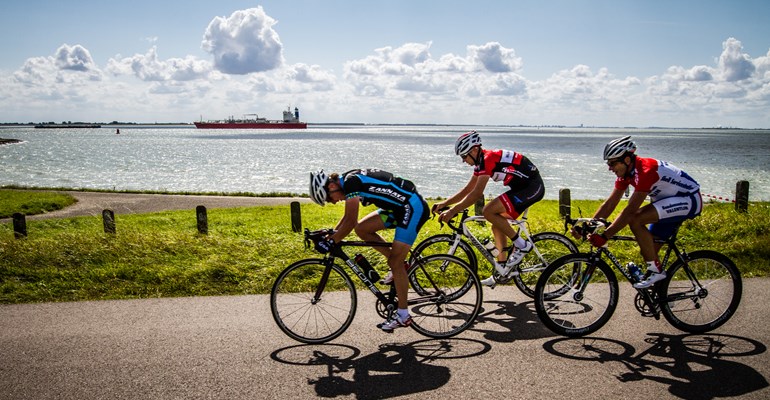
(416, 213)
(673, 211)
(518, 199)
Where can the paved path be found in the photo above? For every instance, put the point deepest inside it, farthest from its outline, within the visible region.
(93, 203)
(230, 348)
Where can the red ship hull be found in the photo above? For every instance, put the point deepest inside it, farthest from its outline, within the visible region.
(251, 125)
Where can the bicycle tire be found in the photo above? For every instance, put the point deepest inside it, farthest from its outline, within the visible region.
(571, 307)
(441, 244)
(450, 298)
(548, 247)
(707, 303)
(304, 318)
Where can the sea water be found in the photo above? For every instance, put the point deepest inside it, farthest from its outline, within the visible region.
(185, 159)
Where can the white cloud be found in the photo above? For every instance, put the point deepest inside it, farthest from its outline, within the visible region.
(148, 67)
(735, 66)
(243, 43)
(76, 58)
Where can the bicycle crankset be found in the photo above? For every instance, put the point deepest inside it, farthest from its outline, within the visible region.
(646, 305)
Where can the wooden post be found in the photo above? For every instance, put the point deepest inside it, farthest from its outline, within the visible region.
(296, 217)
(203, 220)
(19, 226)
(480, 206)
(742, 196)
(108, 218)
(565, 207)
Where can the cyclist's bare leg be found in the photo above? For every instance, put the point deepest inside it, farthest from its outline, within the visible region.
(501, 241)
(497, 215)
(367, 229)
(398, 254)
(638, 224)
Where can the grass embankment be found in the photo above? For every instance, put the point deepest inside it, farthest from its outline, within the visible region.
(163, 255)
(29, 203)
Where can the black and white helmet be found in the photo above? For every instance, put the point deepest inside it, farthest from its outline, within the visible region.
(619, 147)
(466, 142)
(318, 190)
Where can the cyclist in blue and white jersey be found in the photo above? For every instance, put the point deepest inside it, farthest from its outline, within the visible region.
(400, 207)
(674, 197)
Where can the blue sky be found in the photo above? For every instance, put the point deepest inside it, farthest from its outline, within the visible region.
(604, 63)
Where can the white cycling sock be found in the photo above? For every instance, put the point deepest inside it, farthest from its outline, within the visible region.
(653, 266)
(403, 313)
(519, 242)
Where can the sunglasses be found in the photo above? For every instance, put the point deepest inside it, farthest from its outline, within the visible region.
(611, 163)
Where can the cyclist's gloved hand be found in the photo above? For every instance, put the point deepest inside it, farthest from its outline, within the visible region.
(597, 240)
(324, 246)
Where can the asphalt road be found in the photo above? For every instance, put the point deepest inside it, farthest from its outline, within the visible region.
(230, 348)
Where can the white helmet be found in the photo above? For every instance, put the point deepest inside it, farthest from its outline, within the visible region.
(619, 147)
(466, 142)
(318, 190)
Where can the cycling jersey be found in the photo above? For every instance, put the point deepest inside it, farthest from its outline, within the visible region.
(659, 178)
(510, 167)
(674, 194)
(518, 173)
(400, 204)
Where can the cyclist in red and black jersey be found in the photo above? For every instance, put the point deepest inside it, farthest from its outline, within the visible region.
(674, 198)
(525, 187)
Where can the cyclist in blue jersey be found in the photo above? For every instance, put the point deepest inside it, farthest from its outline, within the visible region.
(400, 207)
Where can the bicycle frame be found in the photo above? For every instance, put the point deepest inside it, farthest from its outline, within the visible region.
(464, 231)
(388, 301)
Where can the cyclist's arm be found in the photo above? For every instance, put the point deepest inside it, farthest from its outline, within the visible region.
(609, 205)
(348, 221)
(474, 190)
(634, 202)
(463, 192)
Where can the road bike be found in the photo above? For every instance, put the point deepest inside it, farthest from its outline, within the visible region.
(577, 294)
(314, 300)
(546, 247)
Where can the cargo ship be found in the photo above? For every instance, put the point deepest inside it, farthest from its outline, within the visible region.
(252, 121)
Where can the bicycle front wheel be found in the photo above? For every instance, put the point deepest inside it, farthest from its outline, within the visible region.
(703, 293)
(548, 246)
(576, 295)
(312, 302)
(449, 299)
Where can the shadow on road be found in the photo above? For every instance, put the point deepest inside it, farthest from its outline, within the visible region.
(396, 369)
(693, 366)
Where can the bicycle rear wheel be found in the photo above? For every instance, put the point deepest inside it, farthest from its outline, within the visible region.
(442, 244)
(548, 246)
(309, 314)
(702, 294)
(449, 299)
(576, 295)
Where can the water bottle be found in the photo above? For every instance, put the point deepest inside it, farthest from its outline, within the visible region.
(367, 268)
(635, 272)
(490, 246)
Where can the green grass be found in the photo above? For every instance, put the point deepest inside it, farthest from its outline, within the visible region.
(163, 255)
(32, 202)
